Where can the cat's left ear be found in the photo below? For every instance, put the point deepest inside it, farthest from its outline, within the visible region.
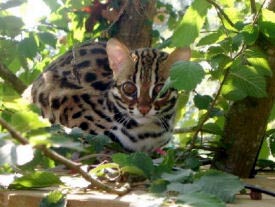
(178, 54)
(118, 55)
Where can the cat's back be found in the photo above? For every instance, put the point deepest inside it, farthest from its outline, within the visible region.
(83, 69)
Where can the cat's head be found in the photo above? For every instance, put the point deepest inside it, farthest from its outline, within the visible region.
(139, 76)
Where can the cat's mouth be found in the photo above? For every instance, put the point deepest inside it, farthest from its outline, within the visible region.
(144, 119)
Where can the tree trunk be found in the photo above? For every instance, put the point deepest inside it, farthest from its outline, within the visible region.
(135, 24)
(245, 127)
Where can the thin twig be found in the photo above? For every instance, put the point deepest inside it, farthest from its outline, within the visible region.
(222, 12)
(257, 15)
(190, 130)
(22, 140)
(207, 115)
(12, 79)
(213, 103)
(68, 163)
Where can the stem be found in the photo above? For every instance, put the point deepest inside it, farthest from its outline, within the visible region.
(207, 115)
(22, 140)
(68, 163)
(221, 12)
(12, 79)
(190, 130)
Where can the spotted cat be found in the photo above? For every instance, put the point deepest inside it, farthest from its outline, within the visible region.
(104, 88)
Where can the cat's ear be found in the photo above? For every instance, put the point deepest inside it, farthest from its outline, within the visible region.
(118, 55)
(178, 54)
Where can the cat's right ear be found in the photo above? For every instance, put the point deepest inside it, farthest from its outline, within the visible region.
(118, 55)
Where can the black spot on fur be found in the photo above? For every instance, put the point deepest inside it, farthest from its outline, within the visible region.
(66, 61)
(86, 98)
(55, 103)
(84, 126)
(66, 73)
(64, 118)
(77, 115)
(76, 98)
(43, 99)
(90, 118)
(92, 132)
(65, 99)
(98, 85)
(98, 51)
(82, 52)
(100, 101)
(90, 77)
(65, 84)
(83, 64)
(100, 126)
(103, 63)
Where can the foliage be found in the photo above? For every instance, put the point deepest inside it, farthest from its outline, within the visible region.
(226, 66)
(35, 180)
(53, 199)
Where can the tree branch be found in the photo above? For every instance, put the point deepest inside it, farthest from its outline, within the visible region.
(12, 79)
(253, 6)
(221, 12)
(68, 163)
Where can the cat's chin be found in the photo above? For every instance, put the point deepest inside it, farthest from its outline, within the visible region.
(144, 119)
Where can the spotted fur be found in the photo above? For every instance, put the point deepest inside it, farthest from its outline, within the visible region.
(107, 89)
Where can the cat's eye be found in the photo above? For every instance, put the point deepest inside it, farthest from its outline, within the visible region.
(129, 88)
(158, 89)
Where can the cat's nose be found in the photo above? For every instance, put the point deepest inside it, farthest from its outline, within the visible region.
(144, 109)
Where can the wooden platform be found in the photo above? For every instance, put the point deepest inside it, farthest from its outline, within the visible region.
(133, 199)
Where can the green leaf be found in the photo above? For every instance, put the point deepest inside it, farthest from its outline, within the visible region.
(97, 142)
(186, 75)
(167, 163)
(99, 170)
(211, 38)
(11, 3)
(39, 160)
(10, 25)
(54, 5)
(183, 188)
(250, 34)
(54, 199)
(47, 38)
(180, 175)
(212, 128)
(199, 199)
(267, 24)
(249, 81)
(259, 61)
(27, 120)
(28, 47)
(202, 101)
(191, 24)
(231, 92)
(158, 186)
(35, 180)
(264, 151)
(136, 162)
(211, 183)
